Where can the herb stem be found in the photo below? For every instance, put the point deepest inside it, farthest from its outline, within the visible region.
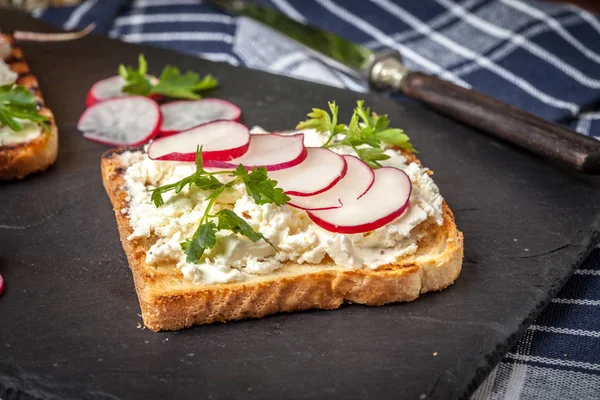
(214, 198)
(326, 144)
(229, 171)
(258, 185)
(209, 207)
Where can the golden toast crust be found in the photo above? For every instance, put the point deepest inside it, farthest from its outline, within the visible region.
(21, 159)
(169, 302)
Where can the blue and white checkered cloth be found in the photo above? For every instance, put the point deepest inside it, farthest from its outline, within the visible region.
(542, 57)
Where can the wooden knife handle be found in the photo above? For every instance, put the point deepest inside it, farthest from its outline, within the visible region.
(546, 138)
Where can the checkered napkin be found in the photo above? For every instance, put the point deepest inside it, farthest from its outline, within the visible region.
(541, 57)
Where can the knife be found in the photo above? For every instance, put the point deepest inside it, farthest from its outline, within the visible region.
(385, 71)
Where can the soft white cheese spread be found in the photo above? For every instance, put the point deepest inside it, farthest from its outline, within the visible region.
(29, 131)
(5, 48)
(295, 237)
(7, 76)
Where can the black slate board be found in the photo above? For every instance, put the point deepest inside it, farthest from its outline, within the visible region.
(69, 318)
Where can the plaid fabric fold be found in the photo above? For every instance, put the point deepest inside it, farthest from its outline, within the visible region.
(542, 57)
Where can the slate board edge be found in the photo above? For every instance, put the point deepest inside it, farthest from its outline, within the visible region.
(503, 348)
(16, 391)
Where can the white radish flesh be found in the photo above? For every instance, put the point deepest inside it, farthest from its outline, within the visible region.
(220, 140)
(385, 201)
(105, 89)
(312, 138)
(358, 179)
(272, 151)
(320, 171)
(109, 88)
(119, 121)
(182, 115)
(258, 130)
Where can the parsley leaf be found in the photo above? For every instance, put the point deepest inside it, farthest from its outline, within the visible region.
(396, 137)
(204, 238)
(363, 113)
(16, 102)
(227, 219)
(207, 182)
(178, 186)
(319, 120)
(258, 185)
(357, 135)
(365, 128)
(323, 122)
(371, 155)
(136, 80)
(378, 126)
(199, 179)
(171, 83)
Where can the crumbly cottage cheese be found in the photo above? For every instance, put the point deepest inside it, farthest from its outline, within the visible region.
(293, 234)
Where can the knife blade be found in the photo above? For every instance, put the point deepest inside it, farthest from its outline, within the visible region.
(385, 71)
(333, 50)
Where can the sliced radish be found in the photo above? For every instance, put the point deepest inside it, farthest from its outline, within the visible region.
(109, 88)
(385, 201)
(258, 130)
(1, 284)
(220, 140)
(182, 115)
(130, 121)
(271, 151)
(290, 132)
(320, 171)
(358, 179)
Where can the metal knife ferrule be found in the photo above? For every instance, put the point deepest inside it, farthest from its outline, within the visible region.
(386, 70)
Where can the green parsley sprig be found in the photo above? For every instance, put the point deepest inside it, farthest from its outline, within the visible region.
(258, 185)
(365, 133)
(171, 82)
(16, 102)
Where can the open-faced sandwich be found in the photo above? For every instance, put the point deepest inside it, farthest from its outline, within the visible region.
(28, 134)
(219, 223)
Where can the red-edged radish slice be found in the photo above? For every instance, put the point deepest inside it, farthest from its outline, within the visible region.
(119, 121)
(109, 88)
(385, 201)
(220, 140)
(358, 179)
(1, 284)
(182, 115)
(319, 172)
(312, 138)
(272, 151)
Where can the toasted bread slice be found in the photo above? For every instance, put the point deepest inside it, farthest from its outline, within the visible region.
(20, 159)
(170, 302)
